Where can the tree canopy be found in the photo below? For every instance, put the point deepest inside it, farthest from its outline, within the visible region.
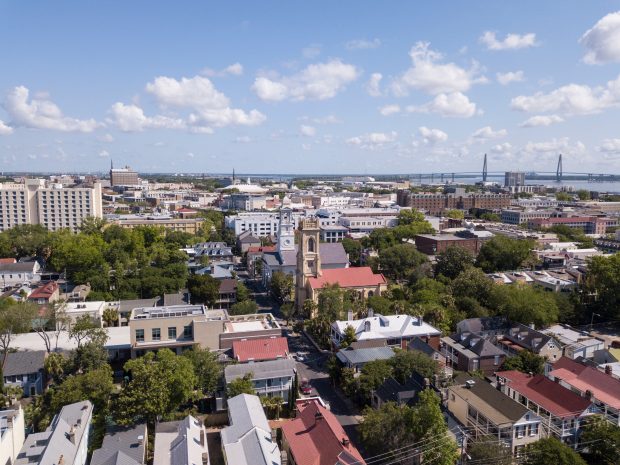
(501, 253)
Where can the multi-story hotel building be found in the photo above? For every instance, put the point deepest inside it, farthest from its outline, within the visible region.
(53, 206)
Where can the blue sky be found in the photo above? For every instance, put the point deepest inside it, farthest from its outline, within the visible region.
(309, 87)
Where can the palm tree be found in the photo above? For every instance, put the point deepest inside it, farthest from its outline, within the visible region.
(277, 403)
(53, 366)
(110, 316)
(267, 403)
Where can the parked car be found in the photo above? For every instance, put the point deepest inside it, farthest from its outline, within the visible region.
(305, 387)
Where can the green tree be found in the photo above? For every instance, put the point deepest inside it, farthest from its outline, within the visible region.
(242, 385)
(601, 291)
(288, 311)
(203, 289)
(349, 337)
(309, 308)
(386, 429)
(583, 194)
(563, 196)
(160, 383)
(551, 450)
(526, 362)
(331, 303)
(454, 214)
(281, 287)
(380, 238)
(51, 322)
(525, 304)
(373, 375)
(405, 363)
(473, 283)
(96, 386)
(502, 253)
(243, 293)
(54, 366)
(15, 318)
(353, 249)
(244, 308)
(604, 440)
(110, 316)
(494, 217)
(486, 449)
(84, 329)
(400, 261)
(453, 261)
(207, 369)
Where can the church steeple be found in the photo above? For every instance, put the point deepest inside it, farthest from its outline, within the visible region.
(286, 231)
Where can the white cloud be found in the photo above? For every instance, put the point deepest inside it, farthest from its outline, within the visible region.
(554, 146)
(432, 136)
(510, 42)
(243, 140)
(501, 148)
(602, 42)
(512, 76)
(487, 133)
(329, 119)
(571, 99)
(106, 138)
(209, 107)
(609, 146)
(104, 153)
(190, 155)
(131, 118)
(320, 81)
(307, 131)
(362, 44)
(4, 129)
(373, 85)
(236, 69)
(541, 120)
(373, 140)
(41, 113)
(306, 146)
(454, 105)
(388, 110)
(430, 75)
(311, 51)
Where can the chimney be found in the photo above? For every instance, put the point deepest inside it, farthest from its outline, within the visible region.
(61, 460)
(71, 434)
(608, 370)
(345, 442)
(140, 439)
(202, 437)
(350, 315)
(274, 435)
(318, 416)
(427, 383)
(371, 313)
(420, 320)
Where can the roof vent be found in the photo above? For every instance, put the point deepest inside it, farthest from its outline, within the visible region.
(470, 383)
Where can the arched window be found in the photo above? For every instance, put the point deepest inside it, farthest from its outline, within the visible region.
(311, 245)
(370, 293)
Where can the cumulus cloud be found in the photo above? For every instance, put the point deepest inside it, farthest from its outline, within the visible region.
(42, 113)
(429, 74)
(512, 76)
(320, 81)
(487, 133)
(104, 153)
(373, 86)
(4, 129)
(553, 146)
(207, 106)
(510, 41)
(236, 69)
(307, 131)
(602, 41)
(432, 136)
(373, 140)
(131, 118)
(571, 99)
(609, 146)
(501, 148)
(541, 120)
(329, 119)
(362, 44)
(454, 105)
(243, 140)
(388, 110)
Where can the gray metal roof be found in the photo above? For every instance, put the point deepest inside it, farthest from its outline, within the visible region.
(122, 446)
(23, 362)
(330, 253)
(358, 356)
(261, 370)
(19, 267)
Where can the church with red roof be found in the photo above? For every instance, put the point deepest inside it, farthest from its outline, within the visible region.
(311, 278)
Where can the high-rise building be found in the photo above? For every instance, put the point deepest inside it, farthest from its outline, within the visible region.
(514, 178)
(53, 206)
(123, 177)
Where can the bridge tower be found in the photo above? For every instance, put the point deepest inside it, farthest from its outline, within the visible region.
(484, 169)
(558, 171)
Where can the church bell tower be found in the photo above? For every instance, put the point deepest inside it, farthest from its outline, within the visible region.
(286, 231)
(308, 257)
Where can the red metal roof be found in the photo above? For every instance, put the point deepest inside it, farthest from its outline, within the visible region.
(45, 291)
(265, 248)
(319, 441)
(7, 261)
(348, 277)
(604, 387)
(269, 348)
(557, 400)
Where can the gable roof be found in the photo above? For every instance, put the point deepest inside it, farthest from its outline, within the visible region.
(497, 407)
(44, 291)
(393, 391)
(23, 362)
(248, 438)
(180, 443)
(331, 253)
(478, 325)
(19, 267)
(359, 356)
(122, 446)
(604, 387)
(269, 348)
(227, 285)
(261, 370)
(526, 337)
(388, 326)
(556, 399)
(348, 277)
(316, 437)
(479, 345)
(418, 344)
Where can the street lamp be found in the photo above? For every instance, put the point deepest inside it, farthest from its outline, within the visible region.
(592, 319)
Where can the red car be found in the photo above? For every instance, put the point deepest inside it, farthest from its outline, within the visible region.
(305, 387)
